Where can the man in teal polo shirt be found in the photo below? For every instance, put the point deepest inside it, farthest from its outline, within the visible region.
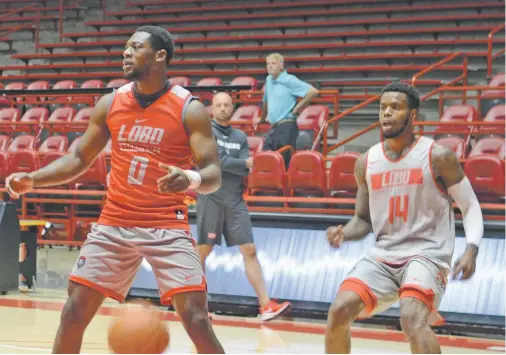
(280, 107)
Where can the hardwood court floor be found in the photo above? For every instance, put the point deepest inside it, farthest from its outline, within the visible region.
(28, 324)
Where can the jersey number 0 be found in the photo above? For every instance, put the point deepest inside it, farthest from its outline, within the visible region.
(398, 208)
(137, 170)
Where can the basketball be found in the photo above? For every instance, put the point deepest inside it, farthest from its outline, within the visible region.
(138, 330)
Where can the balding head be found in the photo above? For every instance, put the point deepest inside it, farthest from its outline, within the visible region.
(222, 108)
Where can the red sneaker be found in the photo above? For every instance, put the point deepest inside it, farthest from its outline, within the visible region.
(274, 310)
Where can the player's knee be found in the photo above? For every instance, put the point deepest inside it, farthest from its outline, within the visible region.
(195, 318)
(413, 317)
(342, 313)
(73, 315)
(248, 250)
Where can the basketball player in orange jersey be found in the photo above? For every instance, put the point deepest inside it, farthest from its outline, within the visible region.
(155, 129)
(405, 189)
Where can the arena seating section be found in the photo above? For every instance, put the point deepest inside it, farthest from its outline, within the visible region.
(354, 46)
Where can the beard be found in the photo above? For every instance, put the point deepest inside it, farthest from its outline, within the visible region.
(136, 74)
(398, 132)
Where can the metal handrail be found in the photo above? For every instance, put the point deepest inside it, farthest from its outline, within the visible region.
(490, 57)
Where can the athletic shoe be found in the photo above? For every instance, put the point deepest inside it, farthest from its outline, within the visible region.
(274, 310)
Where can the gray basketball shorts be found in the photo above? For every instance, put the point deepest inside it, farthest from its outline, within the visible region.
(111, 256)
(380, 285)
(215, 220)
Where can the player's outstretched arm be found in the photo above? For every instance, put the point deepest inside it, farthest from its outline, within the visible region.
(360, 224)
(448, 170)
(72, 165)
(203, 146)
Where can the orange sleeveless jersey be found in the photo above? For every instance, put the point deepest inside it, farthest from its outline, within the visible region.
(141, 139)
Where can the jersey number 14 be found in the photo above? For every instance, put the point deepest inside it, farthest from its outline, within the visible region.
(398, 208)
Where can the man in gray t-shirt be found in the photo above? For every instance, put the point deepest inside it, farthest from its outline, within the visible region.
(224, 212)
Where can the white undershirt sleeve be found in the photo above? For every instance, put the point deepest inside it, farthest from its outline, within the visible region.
(465, 198)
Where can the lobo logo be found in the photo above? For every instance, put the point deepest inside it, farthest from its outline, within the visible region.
(141, 134)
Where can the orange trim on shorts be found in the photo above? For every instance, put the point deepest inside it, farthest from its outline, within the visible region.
(104, 291)
(166, 297)
(424, 295)
(362, 290)
(427, 297)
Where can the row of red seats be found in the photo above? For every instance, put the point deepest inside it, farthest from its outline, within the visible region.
(115, 83)
(40, 116)
(468, 113)
(307, 175)
(21, 156)
(245, 117)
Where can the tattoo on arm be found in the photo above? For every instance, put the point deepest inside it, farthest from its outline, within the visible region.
(446, 166)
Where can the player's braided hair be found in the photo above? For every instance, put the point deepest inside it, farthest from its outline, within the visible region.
(160, 39)
(412, 93)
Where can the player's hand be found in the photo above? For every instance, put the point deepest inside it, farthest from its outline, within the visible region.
(335, 236)
(18, 184)
(175, 181)
(466, 264)
(249, 162)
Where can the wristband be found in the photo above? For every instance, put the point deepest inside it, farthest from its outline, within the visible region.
(194, 177)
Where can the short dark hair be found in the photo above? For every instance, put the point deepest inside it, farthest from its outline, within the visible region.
(412, 93)
(160, 39)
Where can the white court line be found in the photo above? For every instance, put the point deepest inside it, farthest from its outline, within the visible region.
(496, 348)
(45, 350)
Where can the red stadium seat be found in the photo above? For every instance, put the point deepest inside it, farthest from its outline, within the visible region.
(4, 167)
(313, 117)
(37, 85)
(497, 81)
(116, 83)
(489, 146)
(65, 84)
(495, 114)
(306, 174)
(455, 143)
(457, 113)
(4, 142)
(486, 174)
(210, 82)
(82, 116)
(92, 84)
(21, 143)
(24, 160)
(54, 144)
(245, 80)
(245, 116)
(8, 115)
(255, 145)
(36, 114)
(267, 176)
(180, 80)
(208, 96)
(342, 181)
(60, 116)
(15, 86)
